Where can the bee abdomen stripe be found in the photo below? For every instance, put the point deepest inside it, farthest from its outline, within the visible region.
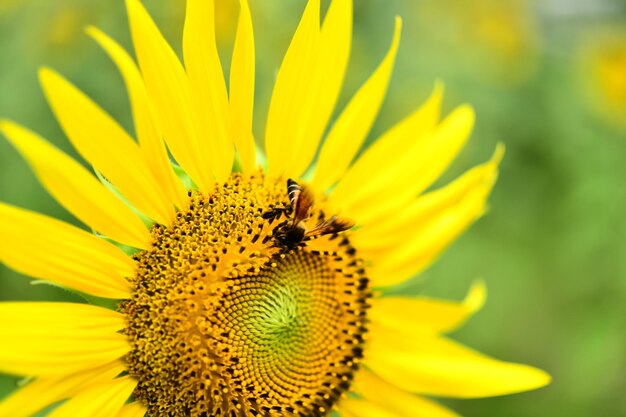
(293, 190)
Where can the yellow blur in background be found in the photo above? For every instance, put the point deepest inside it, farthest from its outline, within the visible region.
(547, 78)
(603, 60)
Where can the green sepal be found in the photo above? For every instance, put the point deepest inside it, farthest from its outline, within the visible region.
(108, 303)
(184, 177)
(237, 167)
(23, 381)
(261, 159)
(50, 283)
(46, 411)
(128, 250)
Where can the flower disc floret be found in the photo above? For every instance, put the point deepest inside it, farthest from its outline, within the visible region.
(225, 321)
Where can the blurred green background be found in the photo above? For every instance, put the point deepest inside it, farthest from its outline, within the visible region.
(547, 78)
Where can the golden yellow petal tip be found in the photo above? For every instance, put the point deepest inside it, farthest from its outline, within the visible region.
(439, 87)
(467, 112)
(395, 41)
(398, 24)
(547, 378)
(4, 128)
(92, 31)
(4, 124)
(46, 74)
(498, 154)
(397, 29)
(42, 71)
(477, 296)
(532, 379)
(8, 128)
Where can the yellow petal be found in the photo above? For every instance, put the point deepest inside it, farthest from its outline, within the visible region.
(51, 339)
(43, 392)
(354, 407)
(436, 366)
(293, 96)
(396, 183)
(146, 125)
(350, 130)
(208, 89)
(334, 51)
(77, 190)
(105, 400)
(168, 89)
(403, 404)
(418, 235)
(106, 146)
(242, 70)
(420, 315)
(135, 409)
(48, 249)
(419, 167)
(384, 234)
(362, 179)
(445, 145)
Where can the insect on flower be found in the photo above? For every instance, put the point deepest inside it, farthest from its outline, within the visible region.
(291, 232)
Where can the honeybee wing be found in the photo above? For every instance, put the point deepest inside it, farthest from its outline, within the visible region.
(333, 225)
(301, 199)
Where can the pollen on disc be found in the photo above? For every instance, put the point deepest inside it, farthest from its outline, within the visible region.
(225, 322)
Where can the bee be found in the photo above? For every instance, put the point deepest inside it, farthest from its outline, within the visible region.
(291, 232)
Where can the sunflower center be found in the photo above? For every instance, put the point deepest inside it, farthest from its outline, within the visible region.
(224, 320)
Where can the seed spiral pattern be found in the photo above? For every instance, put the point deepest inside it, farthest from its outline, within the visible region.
(223, 321)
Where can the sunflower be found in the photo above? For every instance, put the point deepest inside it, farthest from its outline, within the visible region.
(244, 284)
